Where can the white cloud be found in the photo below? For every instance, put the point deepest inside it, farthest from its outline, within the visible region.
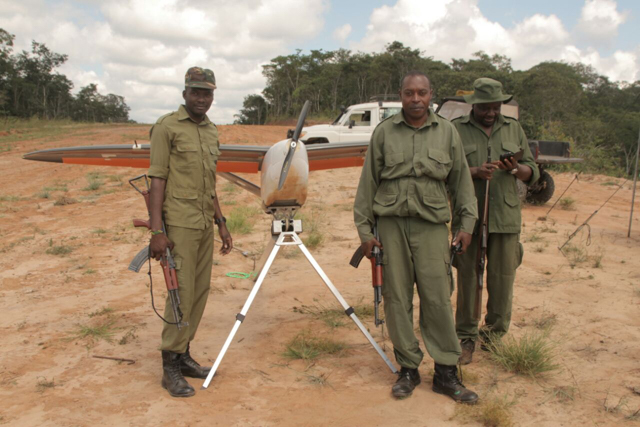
(341, 33)
(599, 20)
(457, 28)
(140, 49)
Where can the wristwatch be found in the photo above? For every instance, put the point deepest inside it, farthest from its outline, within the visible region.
(218, 221)
(513, 171)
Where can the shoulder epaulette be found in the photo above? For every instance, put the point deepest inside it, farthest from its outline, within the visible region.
(165, 116)
(509, 117)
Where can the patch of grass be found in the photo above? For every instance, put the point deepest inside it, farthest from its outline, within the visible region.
(545, 228)
(57, 187)
(609, 183)
(43, 194)
(535, 238)
(104, 331)
(312, 228)
(230, 202)
(308, 347)
(576, 255)
(539, 248)
(489, 412)
(114, 178)
(99, 231)
(563, 394)
(10, 198)
(230, 187)
(128, 337)
(596, 259)
(43, 384)
(89, 271)
(64, 200)
(101, 312)
(239, 220)
(319, 380)
(545, 321)
(93, 185)
(59, 250)
(532, 355)
(611, 407)
(334, 316)
(567, 204)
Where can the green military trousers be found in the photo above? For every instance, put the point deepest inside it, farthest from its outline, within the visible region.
(504, 256)
(416, 251)
(193, 253)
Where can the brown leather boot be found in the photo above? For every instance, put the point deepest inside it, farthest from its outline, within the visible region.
(191, 368)
(468, 346)
(408, 379)
(446, 381)
(172, 379)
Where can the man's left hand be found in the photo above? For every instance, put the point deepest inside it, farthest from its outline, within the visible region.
(227, 241)
(464, 238)
(508, 164)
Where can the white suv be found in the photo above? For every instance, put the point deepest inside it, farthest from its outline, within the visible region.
(355, 124)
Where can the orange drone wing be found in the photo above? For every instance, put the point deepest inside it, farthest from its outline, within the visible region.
(233, 158)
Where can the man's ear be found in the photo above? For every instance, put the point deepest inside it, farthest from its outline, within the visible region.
(184, 94)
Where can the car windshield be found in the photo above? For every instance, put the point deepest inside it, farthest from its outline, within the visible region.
(388, 112)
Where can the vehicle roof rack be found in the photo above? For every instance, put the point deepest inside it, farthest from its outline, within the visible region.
(384, 97)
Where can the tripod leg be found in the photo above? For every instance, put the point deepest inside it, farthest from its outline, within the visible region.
(240, 316)
(347, 309)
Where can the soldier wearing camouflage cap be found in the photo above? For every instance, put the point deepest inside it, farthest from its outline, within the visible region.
(184, 157)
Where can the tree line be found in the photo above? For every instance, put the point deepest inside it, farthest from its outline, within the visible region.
(558, 101)
(30, 87)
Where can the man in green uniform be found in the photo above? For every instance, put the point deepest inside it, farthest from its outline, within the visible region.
(414, 157)
(184, 156)
(485, 127)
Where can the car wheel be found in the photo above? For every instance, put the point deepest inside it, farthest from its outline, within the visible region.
(542, 191)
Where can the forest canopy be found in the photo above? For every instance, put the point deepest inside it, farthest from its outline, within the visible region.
(558, 101)
(30, 87)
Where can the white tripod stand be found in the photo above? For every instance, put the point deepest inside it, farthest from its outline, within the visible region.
(290, 238)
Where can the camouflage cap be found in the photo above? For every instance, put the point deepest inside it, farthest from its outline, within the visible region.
(486, 90)
(200, 77)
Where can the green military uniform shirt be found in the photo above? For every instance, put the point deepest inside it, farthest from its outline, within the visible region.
(185, 154)
(507, 135)
(407, 172)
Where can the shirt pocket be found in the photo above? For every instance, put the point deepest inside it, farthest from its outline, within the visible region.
(437, 164)
(186, 156)
(385, 199)
(471, 153)
(436, 209)
(510, 147)
(512, 200)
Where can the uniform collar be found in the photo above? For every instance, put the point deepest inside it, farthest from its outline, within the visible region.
(500, 121)
(184, 115)
(431, 119)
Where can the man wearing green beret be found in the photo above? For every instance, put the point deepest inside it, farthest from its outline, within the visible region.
(486, 127)
(184, 157)
(414, 163)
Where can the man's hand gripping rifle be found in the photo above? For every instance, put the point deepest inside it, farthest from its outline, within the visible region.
(167, 262)
(376, 274)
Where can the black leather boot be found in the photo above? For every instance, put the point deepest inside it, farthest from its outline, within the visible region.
(408, 379)
(172, 378)
(191, 368)
(446, 381)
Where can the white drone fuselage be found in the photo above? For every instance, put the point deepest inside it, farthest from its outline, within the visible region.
(293, 193)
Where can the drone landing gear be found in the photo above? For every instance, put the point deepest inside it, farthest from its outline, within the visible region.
(291, 238)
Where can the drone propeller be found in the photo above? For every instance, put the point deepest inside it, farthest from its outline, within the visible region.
(292, 146)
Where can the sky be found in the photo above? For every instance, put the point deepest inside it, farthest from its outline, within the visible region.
(140, 49)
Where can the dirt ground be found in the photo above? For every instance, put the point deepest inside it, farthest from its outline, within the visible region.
(64, 282)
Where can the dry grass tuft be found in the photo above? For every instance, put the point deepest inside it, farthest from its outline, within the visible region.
(306, 346)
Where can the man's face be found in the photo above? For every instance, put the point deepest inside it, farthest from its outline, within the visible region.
(197, 100)
(416, 96)
(486, 114)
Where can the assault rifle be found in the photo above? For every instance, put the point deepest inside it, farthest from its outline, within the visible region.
(376, 275)
(483, 237)
(167, 262)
